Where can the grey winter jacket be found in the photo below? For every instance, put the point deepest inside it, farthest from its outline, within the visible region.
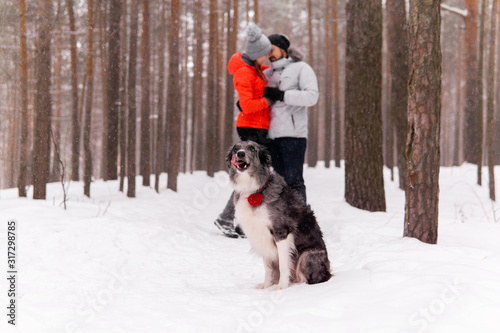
(297, 79)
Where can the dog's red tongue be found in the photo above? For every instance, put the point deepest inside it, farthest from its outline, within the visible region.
(255, 199)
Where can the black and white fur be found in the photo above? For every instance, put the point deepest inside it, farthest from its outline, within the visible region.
(282, 229)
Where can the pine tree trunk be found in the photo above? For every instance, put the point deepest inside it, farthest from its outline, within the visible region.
(424, 111)
(336, 85)
(113, 88)
(123, 97)
(398, 50)
(197, 104)
(471, 139)
(55, 173)
(102, 17)
(23, 82)
(328, 86)
(210, 142)
(160, 140)
(364, 182)
(312, 142)
(480, 107)
(132, 107)
(75, 115)
(145, 159)
(459, 114)
(232, 28)
(173, 99)
(490, 118)
(43, 102)
(87, 174)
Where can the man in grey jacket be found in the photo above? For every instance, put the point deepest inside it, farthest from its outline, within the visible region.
(293, 86)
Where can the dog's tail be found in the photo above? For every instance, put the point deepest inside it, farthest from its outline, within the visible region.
(313, 267)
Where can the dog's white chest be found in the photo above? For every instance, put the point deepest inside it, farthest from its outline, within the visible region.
(256, 223)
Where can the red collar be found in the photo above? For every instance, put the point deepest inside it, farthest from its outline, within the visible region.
(256, 198)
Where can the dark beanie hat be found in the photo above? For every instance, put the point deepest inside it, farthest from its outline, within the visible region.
(280, 41)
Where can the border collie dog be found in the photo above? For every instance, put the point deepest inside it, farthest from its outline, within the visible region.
(280, 226)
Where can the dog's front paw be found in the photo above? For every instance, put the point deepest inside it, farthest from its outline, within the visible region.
(265, 285)
(281, 286)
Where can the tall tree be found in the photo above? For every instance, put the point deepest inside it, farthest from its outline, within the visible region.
(123, 97)
(398, 50)
(199, 124)
(173, 100)
(312, 144)
(212, 126)
(160, 140)
(113, 88)
(232, 35)
(87, 174)
(43, 101)
(480, 106)
(132, 107)
(145, 160)
(23, 82)
(424, 112)
(75, 114)
(336, 84)
(328, 84)
(471, 138)
(256, 11)
(364, 182)
(490, 118)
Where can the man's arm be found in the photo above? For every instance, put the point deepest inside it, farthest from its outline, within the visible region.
(308, 94)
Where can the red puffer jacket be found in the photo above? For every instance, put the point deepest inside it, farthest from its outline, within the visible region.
(250, 87)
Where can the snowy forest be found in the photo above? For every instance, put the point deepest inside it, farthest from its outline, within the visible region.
(76, 74)
(115, 121)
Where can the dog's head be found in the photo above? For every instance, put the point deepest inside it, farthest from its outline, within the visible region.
(248, 156)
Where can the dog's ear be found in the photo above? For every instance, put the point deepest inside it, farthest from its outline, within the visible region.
(265, 157)
(229, 157)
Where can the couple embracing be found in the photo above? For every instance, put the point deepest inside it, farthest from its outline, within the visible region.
(273, 102)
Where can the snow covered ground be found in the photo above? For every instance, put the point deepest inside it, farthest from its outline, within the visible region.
(158, 264)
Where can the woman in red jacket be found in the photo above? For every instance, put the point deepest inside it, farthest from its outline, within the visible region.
(255, 115)
(249, 81)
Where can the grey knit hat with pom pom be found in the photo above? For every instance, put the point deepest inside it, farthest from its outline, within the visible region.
(258, 45)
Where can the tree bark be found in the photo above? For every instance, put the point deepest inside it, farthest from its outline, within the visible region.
(43, 103)
(328, 85)
(132, 107)
(23, 83)
(480, 107)
(232, 35)
(210, 143)
(471, 139)
(336, 85)
(123, 97)
(364, 182)
(113, 88)
(490, 118)
(398, 50)
(173, 100)
(424, 111)
(145, 159)
(312, 142)
(160, 140)
(75, 114)
(199, 124)
(87, 174)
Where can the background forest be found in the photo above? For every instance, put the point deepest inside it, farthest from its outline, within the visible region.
(141, 86)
